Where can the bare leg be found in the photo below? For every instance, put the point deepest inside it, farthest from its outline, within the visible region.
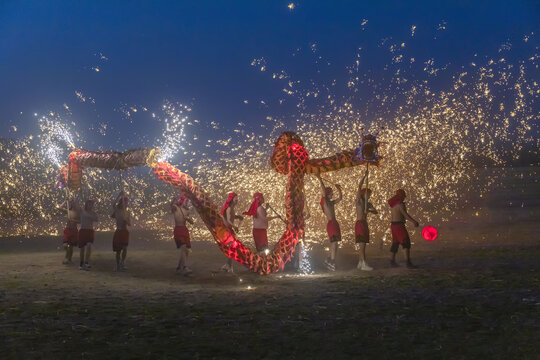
(183, 258)
(362, 264)
(117, 260)
(333, 250)
(394, 252)
(186, 254)
(81, 256)
(88, 252)
(408, 256)
(124, 254)
(362, 251)
(69, 252)
(66, 258)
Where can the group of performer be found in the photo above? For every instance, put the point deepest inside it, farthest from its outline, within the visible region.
(83, 238)
(399, 215)
(180, 208)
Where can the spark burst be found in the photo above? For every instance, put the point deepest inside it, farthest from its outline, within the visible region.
(173, 134)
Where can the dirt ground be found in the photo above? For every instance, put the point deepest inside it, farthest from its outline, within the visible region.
(463, 302)
(475, 295)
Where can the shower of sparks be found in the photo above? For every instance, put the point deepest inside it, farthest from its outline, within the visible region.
(291, 6)
(305, 265)
(173, 134)
(55, 139)
(439, 140)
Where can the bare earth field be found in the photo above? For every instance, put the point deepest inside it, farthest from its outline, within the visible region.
(462, 303)
(475, 295)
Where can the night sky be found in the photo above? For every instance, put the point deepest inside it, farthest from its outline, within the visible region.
(199, 53)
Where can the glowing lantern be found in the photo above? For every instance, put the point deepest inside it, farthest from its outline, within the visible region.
(429, 233)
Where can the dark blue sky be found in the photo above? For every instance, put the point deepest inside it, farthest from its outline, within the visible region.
(199, 52)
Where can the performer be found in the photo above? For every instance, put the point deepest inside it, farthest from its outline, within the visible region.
(121, 235)
(260, 223)
(70, 238)
(332, 226)
(180, 210)
(229, 216)
(361, 229)
(400, 236)
(86, 234)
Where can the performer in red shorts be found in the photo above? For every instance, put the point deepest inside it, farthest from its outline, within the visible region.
(70, 237)
(180, 210)
(121, 235)
(400, 236)
(332, 227)
(361, 230)
(260, 223)
(86, 234)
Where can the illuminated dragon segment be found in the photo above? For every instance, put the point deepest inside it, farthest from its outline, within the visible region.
(289, 158)
(79, 159)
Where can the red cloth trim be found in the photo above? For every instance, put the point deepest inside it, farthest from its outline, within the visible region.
(120, 239)
(333, 230)
(228, 202)
(254, 205)
(181, 236)
(261, 239)
(399, 234)
(71, 236)
(86, 236)
(361, 231)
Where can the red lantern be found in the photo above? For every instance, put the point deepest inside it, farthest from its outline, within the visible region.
(429, 233)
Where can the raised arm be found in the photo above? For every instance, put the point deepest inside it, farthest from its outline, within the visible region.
(187, 216)
(358, 195)
(340, 194)
(323, 187)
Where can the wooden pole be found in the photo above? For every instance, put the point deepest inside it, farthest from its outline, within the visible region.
(67, 202)
(275, 212)
(366, 193)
